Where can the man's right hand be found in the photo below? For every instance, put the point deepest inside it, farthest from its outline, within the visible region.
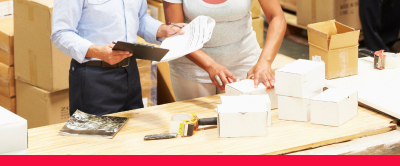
(106, 54)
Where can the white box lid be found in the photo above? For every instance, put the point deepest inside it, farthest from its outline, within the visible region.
(246, 86)
(334, 95)
(300, 66)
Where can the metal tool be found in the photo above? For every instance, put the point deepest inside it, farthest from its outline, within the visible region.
(160, 136)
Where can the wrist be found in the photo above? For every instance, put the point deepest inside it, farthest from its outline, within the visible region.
(210, 65)
(161, 31)
(93, 52)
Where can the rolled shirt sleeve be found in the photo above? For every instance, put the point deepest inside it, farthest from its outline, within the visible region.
(173, 1)
(148, 26)
(66, 16)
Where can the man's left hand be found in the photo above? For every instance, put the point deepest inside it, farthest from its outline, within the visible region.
(169, 30)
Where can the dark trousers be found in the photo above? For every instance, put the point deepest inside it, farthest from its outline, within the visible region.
(380, 21)
(101, 91)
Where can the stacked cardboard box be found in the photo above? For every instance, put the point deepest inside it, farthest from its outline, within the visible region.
(296, 83)
(344, 11)
(7, 82)
(41, 69)
(6, 8)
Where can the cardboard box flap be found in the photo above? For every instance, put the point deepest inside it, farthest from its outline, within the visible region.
(343, 40)
(334, 95)
(242, 108)
(320, 33)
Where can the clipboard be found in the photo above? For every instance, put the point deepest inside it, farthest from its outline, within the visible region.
(142, 51)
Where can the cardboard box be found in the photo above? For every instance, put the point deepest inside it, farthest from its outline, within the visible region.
(144, 67)
(7, 41)
(242, 120)
(249, 100)
(289, 4)
(300, 78)
(258, 27)
(8, 103)
(7, 81)
(334, 107)
(6, 8)
(37, 60)
(41, 107)
(335, 44)
(14, 132)
(156, 10)
(255, 9)
(294, 108)
(246, 87)
(344, 11)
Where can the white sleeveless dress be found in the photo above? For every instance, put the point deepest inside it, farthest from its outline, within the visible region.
(233, 43)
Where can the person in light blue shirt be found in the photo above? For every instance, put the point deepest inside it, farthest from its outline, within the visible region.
(103, 81)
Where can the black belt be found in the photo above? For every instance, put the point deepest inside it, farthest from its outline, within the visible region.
(123, 63)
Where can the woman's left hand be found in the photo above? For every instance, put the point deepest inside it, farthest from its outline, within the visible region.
(263, 71)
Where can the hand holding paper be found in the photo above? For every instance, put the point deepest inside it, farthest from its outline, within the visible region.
(197, 33)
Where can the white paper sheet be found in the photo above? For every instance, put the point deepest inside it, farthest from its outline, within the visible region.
(197, 33)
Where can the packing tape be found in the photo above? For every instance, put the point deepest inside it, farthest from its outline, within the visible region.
(32, 67)
(5, 48)
(176, 124)
(343, 62)
(30, 12)
(314, 11)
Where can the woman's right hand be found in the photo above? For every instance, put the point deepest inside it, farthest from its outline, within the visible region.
(223, 73)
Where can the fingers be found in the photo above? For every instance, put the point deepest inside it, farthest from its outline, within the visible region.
(231, 78)
(256, 80)
(215, 82)
(176, 29)
(182, 24)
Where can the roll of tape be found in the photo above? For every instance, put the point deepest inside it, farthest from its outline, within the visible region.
(176, 123)
(180, 117)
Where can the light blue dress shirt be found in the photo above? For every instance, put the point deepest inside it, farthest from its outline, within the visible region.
(79, 24)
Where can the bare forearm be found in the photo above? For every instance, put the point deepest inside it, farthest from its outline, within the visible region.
(201, 59)
(275, 34)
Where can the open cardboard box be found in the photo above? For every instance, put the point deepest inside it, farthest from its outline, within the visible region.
(337, 45)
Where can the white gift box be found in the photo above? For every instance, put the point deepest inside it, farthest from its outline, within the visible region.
(246, 87)
(13, 133)
(300, 78)
(334, 107)
(294, 108)
(242, 120)
(249, 100)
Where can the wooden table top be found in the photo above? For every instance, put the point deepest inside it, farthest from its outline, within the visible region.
(283, 136)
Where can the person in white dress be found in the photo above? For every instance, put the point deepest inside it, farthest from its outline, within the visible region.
(232, 53)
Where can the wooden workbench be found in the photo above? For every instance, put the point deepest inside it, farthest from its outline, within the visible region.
(283, 136)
